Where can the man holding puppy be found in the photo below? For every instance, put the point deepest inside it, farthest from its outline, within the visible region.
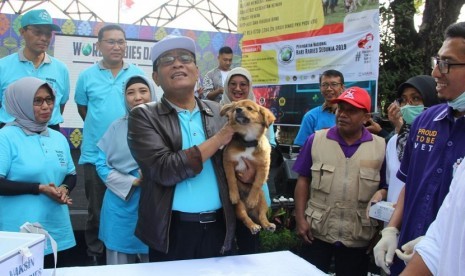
(184, 211)
(341, 170)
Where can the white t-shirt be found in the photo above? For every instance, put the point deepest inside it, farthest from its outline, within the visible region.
(223, 77)
(392, 166)
(443, 247)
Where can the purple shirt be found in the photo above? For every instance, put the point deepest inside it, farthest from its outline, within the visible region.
(435, 147)
(304, 161)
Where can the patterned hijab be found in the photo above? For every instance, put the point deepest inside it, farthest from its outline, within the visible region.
(19, 97)
(114, 142)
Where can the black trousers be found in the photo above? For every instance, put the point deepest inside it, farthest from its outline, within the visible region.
(247, 243)
(65, 258)
(192, 240)
(348, 261)
(95, 190)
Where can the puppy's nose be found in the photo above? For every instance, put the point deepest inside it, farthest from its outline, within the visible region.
(239, 110)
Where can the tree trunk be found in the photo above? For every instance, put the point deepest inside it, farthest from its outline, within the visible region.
(406, 52)
(437, 16)
(404, 26)
(412, 50)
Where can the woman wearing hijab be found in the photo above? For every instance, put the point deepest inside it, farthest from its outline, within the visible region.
(239, 87)
(239, 84)
(414, 96)
(120, 173)
(36, 169)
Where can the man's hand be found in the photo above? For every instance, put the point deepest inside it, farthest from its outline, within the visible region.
(213, 94)
(224, 136)
(407, 255)
(137, 181)
(373, 127)
(304, 230)
(377, 197)
(385, 248)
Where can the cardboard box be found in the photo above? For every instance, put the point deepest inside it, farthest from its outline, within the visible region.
(21, 253)
(382, 210)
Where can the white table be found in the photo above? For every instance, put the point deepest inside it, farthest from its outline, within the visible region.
(280, 263)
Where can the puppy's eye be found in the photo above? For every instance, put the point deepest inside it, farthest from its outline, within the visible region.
(249, 108)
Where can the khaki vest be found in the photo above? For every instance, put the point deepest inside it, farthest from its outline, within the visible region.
(341, 188)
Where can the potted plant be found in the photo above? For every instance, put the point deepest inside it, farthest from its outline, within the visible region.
(284, 237)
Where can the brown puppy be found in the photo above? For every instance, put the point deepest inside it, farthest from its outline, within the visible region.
(250, 122)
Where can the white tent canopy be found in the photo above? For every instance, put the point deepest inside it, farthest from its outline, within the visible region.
(207, 15)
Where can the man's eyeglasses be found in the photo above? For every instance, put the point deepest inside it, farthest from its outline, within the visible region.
(332, 84)
(443, 65)
(113, 43)
(39, 32)
(168, 60)
(40, 101)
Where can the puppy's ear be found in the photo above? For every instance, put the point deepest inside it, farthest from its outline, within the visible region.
(226, 109)
(268, 116)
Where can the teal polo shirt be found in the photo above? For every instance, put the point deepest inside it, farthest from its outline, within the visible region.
(199, 193)
(103, 95)
(36, 158)
(53, 71)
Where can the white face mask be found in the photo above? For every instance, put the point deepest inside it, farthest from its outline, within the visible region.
(459, 103)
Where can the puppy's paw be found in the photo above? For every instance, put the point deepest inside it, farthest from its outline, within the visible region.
(251, 202)
(234, 198)
(271, 227)
(254, 229)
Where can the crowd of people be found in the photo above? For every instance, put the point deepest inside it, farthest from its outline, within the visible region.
(423, 159)
(153, 172)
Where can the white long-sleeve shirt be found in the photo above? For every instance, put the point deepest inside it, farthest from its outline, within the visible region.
(443, 247)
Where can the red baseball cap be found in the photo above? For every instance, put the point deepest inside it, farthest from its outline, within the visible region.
(355, 96)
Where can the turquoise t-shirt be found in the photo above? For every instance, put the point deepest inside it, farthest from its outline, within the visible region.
(119, 214)
(102, 93)
(314, 120)
(52, 70)
(40, 159)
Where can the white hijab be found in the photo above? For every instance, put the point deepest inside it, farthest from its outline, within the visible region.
(237, 71)
(251, 96)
